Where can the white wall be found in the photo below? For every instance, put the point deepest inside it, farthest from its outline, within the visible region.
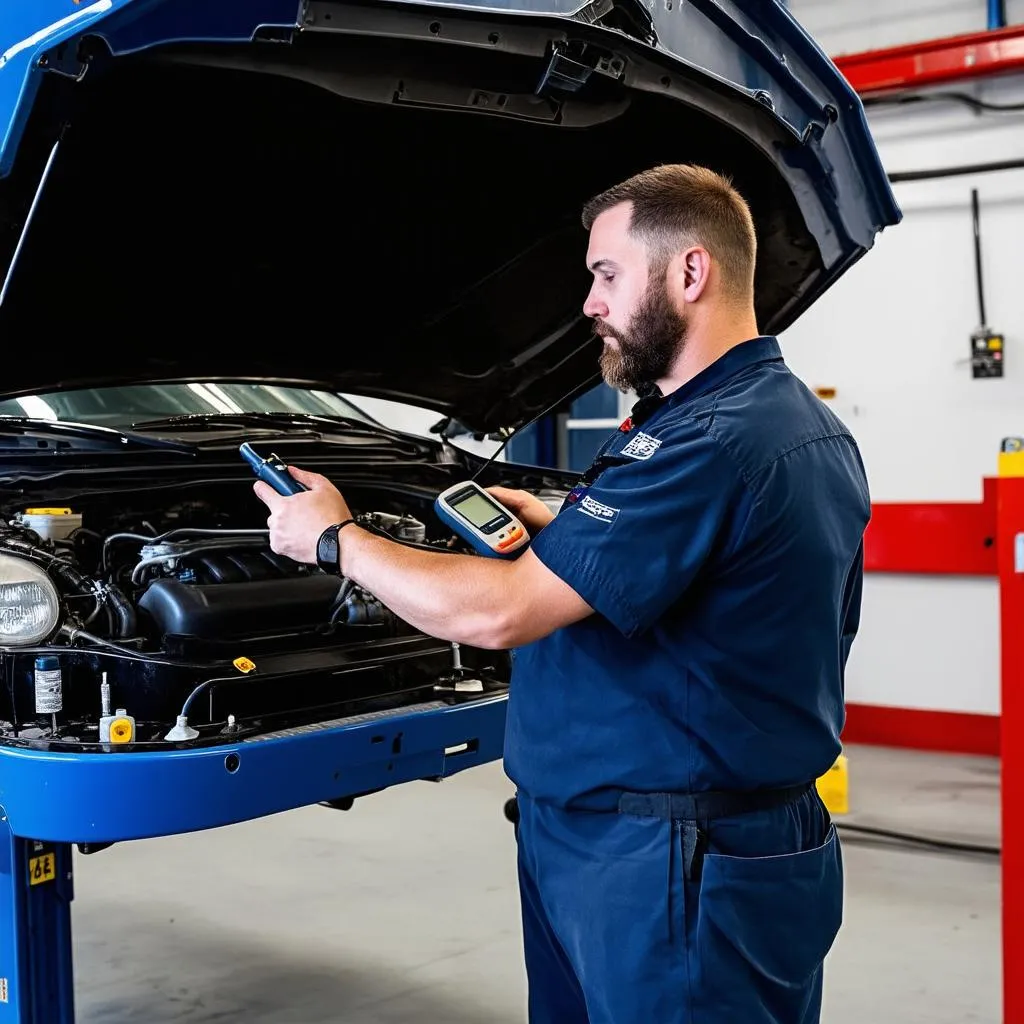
(852, 26)
(414, 419)
(893, 339)
(398, 415)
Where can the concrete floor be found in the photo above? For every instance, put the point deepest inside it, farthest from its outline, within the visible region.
(405, 909)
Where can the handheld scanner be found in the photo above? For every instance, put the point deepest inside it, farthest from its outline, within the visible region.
(482, 520)
(272, 471)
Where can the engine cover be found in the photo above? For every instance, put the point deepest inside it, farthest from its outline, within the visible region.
(221, 611)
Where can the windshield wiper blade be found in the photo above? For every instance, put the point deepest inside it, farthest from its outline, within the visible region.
(93, 435)
(227, 420)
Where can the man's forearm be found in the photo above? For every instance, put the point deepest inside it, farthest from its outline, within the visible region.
(457, 597)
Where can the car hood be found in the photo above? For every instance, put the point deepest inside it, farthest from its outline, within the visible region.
(384, 198)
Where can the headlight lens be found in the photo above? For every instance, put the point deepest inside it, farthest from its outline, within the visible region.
(29, 604)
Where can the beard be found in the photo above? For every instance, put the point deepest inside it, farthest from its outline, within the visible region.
(649, 346)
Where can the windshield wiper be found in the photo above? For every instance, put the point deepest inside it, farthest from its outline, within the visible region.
(86, 435)
(309, 422)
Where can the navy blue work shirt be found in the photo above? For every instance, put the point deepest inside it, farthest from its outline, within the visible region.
(720, 546)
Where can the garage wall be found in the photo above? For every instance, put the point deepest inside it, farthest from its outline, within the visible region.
(893, 339)
(851, 26)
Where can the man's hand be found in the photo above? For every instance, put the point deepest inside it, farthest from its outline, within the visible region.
(297, 520)
(531, 511)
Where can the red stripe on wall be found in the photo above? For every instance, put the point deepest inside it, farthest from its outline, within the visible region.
(948, 731)
(951, 538)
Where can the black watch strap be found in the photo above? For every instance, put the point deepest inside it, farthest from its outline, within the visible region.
(327, 548)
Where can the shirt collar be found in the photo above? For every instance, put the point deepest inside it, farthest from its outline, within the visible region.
(762, 349)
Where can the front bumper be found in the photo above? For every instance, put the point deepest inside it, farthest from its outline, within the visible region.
(103, 798)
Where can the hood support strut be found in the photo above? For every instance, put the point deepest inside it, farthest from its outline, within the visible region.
(28, 219)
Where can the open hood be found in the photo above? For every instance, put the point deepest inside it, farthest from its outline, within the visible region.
(383, 198)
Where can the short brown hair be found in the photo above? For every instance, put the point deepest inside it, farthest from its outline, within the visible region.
(677, 205)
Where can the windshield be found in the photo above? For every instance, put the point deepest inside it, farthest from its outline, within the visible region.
(125, 406)
(120, 407)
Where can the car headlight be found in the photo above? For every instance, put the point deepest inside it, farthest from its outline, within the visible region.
(29, 603)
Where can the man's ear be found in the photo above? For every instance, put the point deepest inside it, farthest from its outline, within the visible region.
(689, 273)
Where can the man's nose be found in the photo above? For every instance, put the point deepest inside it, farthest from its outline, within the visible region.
(595, 307)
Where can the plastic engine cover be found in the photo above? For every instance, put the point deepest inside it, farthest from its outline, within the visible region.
(224, 610)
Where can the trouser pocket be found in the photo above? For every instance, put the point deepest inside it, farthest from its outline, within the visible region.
(764, 926)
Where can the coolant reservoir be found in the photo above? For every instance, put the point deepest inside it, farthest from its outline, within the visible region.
(51, 523)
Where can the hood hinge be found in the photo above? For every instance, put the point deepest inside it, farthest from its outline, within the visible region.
(572, 63)
(69, 60)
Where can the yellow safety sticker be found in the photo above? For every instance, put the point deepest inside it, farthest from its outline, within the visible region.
(42, 869)
(244, 664)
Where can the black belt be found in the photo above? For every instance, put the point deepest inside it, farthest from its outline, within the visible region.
(705, 806)
(696, 809)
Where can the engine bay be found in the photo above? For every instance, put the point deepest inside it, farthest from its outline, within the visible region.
(131, 622)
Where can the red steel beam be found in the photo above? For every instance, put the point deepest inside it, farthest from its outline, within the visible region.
(935, 61)
(1009, 541)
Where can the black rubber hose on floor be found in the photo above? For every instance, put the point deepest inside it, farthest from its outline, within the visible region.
(906, 837)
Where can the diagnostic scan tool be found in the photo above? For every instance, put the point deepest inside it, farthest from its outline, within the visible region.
(272, 470)
(482, 520)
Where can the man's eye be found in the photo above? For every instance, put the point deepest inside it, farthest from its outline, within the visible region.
(609, 278)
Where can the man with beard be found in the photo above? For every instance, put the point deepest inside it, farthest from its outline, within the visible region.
(681, 630)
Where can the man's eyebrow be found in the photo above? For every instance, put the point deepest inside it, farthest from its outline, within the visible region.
(602, 264)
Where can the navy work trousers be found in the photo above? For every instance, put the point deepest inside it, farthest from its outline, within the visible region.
(630, 919)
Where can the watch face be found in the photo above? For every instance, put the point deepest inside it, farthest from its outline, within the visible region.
(327, 550)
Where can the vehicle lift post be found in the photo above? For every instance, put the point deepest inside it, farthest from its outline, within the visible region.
(36, 889)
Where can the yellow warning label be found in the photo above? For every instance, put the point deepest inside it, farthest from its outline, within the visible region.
(244, 664)
(42, 869)
(47, 511)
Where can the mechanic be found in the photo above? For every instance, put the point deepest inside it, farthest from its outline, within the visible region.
(680, 633)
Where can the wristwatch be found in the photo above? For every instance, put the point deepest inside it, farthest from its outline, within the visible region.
(327, 548)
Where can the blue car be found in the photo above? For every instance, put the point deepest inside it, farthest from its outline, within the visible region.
(217, 220)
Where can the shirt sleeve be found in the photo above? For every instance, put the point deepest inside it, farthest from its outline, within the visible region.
(633, 543)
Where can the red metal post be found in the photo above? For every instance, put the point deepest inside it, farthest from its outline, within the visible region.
(1010, 553)
(903, 538)
(935, 61)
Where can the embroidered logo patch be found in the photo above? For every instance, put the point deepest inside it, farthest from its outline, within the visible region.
(594, 509)
(643, 446)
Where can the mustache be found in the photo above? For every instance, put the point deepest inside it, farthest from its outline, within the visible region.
(603, 330)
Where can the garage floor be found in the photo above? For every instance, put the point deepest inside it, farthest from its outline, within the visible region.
(405, 909)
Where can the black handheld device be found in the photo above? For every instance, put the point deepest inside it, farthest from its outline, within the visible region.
(272, 471)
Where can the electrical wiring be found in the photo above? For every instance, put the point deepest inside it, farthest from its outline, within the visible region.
(979, 106)
(951, 172)
(903, 99)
